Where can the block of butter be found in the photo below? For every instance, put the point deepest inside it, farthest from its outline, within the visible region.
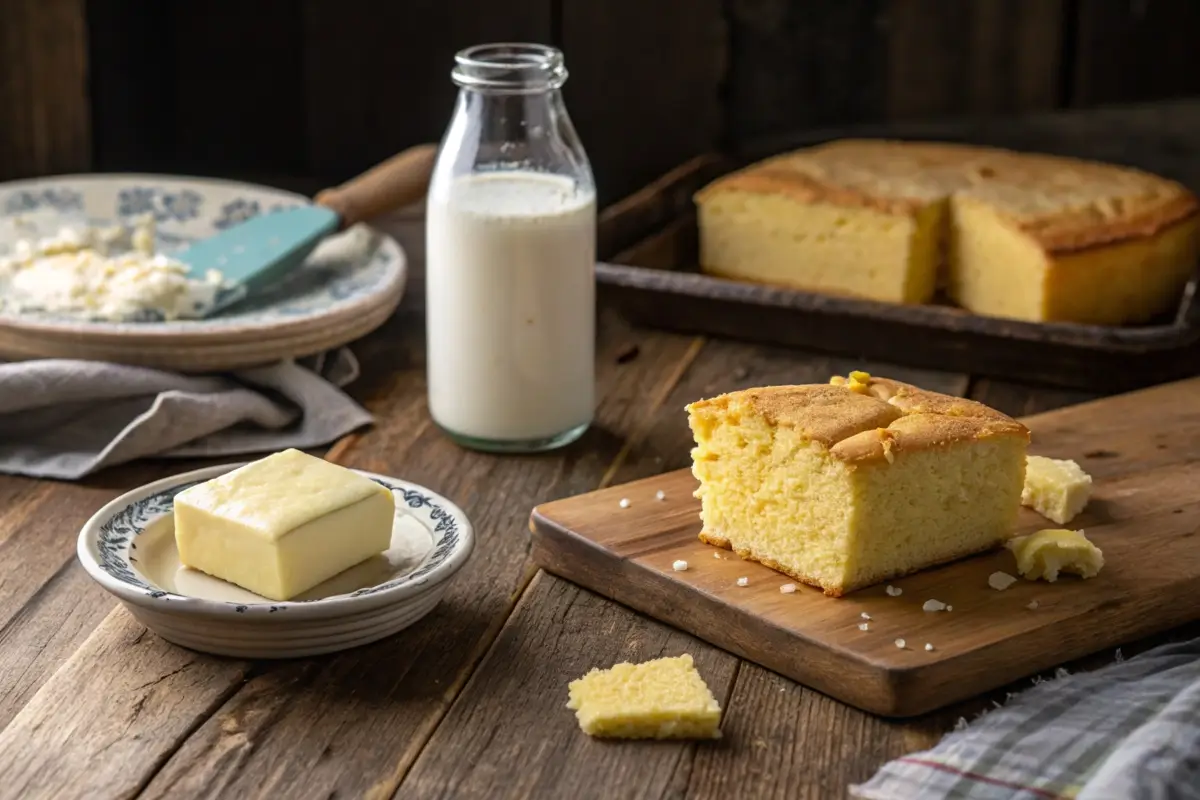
(281, 525)
(1055, 488)
(661, 699)
(1047, 553)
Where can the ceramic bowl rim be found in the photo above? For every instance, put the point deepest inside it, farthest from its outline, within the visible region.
(339, 605)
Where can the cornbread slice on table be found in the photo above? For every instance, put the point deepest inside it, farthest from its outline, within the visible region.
(1058, 489)
(848, 484)
(661, 699)
(1017, 235)
(1045, 554)
(283, 524)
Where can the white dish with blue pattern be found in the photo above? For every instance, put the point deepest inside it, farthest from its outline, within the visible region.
(128, 547)
(349, 278)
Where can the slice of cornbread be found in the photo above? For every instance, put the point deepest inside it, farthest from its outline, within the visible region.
(1017, 235)
(1047, 553)
(661, 699)
(852, 483)
(1057, 489)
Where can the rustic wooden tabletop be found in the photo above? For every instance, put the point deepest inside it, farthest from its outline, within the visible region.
(470, 701)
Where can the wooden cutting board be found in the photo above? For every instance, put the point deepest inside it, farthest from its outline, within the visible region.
(1143, 452)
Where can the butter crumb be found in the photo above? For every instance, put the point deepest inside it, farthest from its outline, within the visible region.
(680, 565)
(743, 581)
(1045, 554)
(1000, 581)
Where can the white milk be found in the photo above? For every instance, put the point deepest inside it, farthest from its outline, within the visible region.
(511, 305)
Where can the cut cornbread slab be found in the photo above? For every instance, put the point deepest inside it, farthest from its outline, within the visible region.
(852, 483)
(1019, 235)
(1045, 554)
(661, 699)
(1058, 489)
(281, 525)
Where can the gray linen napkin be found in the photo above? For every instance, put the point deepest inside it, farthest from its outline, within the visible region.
(1128, 731)
(64, 419)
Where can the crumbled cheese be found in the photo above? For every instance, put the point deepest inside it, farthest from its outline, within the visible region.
(660, 495)
(787, 588)
(1047, 553)
(1056, 489)
(934, 605)
(894, 591)
(743, 581)
(679, 566)
(900, 643)
(1000, 581)
(104, 274)
(624, 502)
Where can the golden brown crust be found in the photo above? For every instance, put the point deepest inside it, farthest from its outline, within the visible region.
(872, 426)
(1064, 204)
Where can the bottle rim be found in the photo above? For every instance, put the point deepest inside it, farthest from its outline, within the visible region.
(510, 67)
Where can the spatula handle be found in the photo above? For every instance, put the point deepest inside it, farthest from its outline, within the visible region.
(399, 181)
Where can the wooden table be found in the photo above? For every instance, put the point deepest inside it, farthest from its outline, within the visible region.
(470, 701)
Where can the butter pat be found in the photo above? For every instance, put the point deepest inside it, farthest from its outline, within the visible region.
(1047, 553)
(281, 525)
(661, 699)
(1056, 489)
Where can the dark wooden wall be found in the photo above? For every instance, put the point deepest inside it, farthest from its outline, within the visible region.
(308, 92)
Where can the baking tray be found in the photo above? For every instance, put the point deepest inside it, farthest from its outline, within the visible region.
(649, 271)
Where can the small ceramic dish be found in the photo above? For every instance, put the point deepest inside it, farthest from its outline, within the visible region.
(128, 547)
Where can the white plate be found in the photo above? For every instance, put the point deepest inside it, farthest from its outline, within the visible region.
(350, 284)
(128, 547)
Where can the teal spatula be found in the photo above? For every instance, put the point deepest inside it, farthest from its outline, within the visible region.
(261, 251)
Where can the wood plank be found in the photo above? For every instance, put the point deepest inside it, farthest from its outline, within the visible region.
(1134, 50)
(377, 75)
(1142, 513)
(375, 707)
(644, 87)
(510, 735)
(985, 57)
(43, 88)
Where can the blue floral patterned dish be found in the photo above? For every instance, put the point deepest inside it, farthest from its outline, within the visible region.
(347, 270)
(109, 550)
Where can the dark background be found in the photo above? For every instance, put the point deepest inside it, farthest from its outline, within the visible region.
(304, 93)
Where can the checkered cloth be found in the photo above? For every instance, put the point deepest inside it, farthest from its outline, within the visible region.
(1128, 731)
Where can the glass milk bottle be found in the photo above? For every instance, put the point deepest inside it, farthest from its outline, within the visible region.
(511, 238)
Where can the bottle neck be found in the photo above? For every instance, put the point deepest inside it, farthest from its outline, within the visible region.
(510, 69)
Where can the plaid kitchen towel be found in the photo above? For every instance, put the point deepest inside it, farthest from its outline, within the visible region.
(1128, 731)
(65, 419)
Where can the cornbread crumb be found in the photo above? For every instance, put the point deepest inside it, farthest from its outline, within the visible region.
(900, 643)
(680, 565)
(661, 699)
(788, 588)
(624, 502)
(1058, 489)
(1048, 552)
(933, 605)
(743, 581)
(1000, 581)
(894, 591)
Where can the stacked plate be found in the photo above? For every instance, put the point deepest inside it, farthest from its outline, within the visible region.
(128, 547)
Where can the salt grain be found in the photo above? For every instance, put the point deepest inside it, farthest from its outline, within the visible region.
(787, 588)
(679, 566)
(864, 626)
(660, 495)
(894, 591)
(1000, 581)
(624, 502)
(743, 581)
(900, 643)
(934, 605)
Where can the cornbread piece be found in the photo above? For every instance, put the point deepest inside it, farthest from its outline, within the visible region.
(1056, 489)
(1020, 235)
(1047, 553)
(281, 525)
(843, 488)
(661, 699)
